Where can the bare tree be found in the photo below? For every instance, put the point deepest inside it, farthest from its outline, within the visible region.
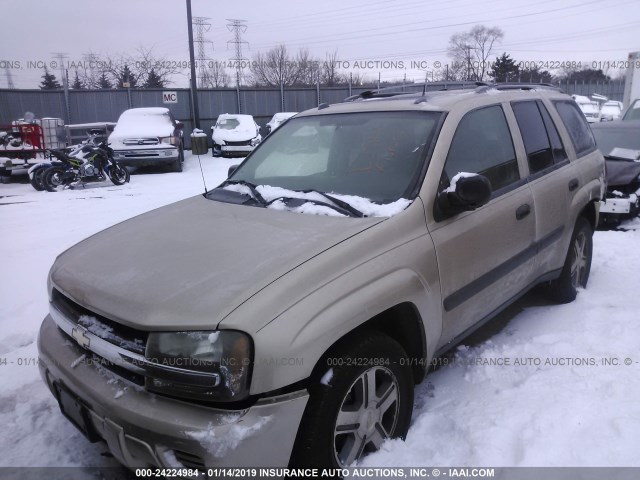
(274, 68)
(470, 52)
(216, 75)
(330, 76)
(308, 68)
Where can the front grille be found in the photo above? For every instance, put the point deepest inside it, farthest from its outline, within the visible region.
(238, 144)
(108, 330)
(117, 370)
(140, 141)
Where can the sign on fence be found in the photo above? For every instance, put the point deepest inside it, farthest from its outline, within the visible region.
(169, 97)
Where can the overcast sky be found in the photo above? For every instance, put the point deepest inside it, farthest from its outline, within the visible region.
(378, 30)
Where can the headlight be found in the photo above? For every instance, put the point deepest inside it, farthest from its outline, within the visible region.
(213, 366)
(169, 140)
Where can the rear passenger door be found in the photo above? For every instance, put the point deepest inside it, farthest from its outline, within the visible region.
(484, 256)
(552, 177)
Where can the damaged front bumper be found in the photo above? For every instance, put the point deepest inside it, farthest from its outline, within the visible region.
(143, 429)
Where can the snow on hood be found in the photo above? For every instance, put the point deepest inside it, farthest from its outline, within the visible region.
(143, 122)
(244, 130)
(366, 206)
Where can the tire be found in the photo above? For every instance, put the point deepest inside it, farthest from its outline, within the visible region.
(216, 151)
(37, 179)
(53, 179)
(119, 175)
(577, 265)
(176, 166)
(342, 422)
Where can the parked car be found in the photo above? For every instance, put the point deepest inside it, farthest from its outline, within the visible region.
(633, 111)
(277, 120)
(589, 108)
(619, 142)
(610, 111)
(283, 318)
(234, 135)
(145, 137)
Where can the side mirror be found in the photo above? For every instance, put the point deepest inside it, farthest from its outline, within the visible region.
(232, 170)
(467, 192)
(179, 125)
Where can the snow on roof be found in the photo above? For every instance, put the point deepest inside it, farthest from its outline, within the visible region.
(145, 111)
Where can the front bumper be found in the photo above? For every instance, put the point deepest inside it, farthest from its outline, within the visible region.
(146, 157)
(143, 429)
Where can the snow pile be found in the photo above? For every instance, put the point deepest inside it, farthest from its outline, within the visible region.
(366, 206)
(198, 133)
(218, 446)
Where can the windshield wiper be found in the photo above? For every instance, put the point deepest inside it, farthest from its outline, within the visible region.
(353, 212)
(252, 188)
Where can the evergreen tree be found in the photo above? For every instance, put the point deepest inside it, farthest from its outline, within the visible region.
(103, 82)
(504, 69)
(154, 80)
(77, 84)
(126, 76)
(49, 81)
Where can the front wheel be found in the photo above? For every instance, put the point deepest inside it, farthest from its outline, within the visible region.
(365, 397)
(53, 179)
(577, 265)
(118, 175)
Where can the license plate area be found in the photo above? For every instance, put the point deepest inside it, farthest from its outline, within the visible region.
(75, 410)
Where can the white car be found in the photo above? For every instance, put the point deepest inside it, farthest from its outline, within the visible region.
(277, 120)
(610, 111)
(590, 109)
(148, 137)
(234, 134)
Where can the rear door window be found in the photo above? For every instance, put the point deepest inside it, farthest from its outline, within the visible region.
(541, 140)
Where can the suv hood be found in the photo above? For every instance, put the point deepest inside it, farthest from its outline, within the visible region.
(189, 264)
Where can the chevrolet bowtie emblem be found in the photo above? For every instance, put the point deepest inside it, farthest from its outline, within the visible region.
(79, 334)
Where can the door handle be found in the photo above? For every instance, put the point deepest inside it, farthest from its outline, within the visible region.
(573, 184)
(523, 211)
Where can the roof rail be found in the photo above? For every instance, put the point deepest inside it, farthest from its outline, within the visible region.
(371, 94)
(517, 86)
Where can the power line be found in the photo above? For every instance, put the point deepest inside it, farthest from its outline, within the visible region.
(237, 27)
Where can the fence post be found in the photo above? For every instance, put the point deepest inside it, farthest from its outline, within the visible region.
(238, 97)
(350, 82)
(67, 108)
(282, 96)
(318, 89)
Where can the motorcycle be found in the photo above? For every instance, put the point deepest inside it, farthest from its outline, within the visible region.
(89, 163)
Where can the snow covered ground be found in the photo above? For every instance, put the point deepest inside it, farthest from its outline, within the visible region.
(561, 407)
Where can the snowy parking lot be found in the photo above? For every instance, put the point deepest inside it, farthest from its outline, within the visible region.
(543, 385)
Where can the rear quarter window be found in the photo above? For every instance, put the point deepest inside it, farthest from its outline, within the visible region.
(577, 126)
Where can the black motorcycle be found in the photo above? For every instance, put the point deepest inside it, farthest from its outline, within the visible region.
(89, 163)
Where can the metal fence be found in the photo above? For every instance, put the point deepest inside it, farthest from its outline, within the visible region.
(86, 106)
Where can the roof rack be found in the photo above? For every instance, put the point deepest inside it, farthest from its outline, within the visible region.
(483, 87)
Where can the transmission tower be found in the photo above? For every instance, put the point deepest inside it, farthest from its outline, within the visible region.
(237, 27)
(91, 79)
(7, 72)
(61, 57)
(202, 26)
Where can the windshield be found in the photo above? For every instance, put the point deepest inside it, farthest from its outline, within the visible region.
(375, 155)
(227, 123)
(634, 111)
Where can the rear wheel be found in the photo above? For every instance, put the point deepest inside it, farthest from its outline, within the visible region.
(37, 178)
(367, 399)
(53, 179)
(577, 265)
